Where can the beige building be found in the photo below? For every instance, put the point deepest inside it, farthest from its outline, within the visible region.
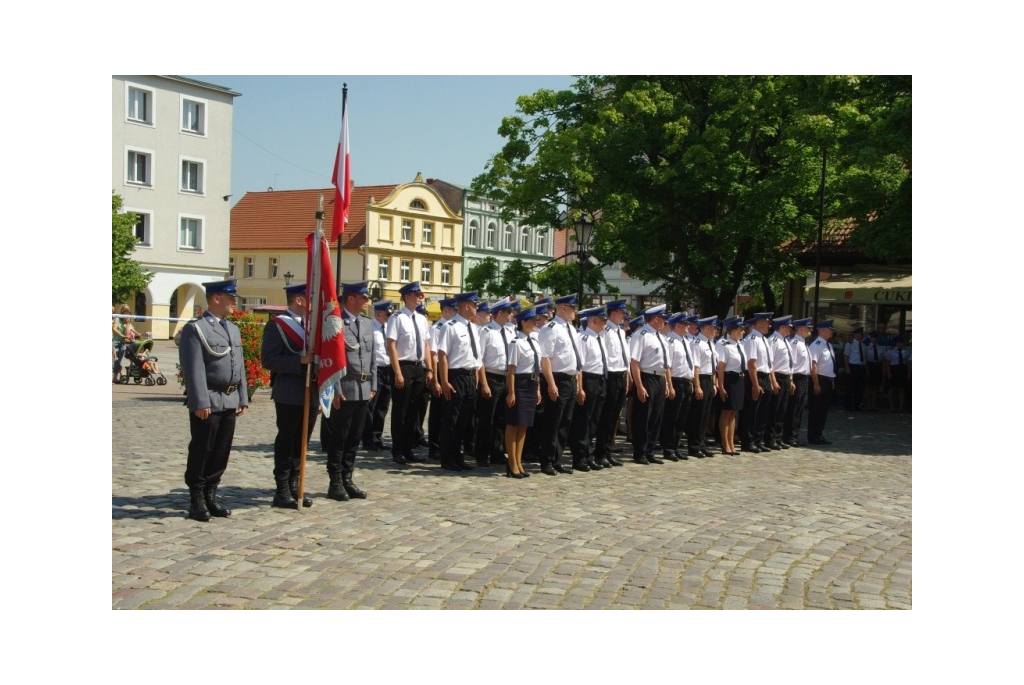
(171, 163)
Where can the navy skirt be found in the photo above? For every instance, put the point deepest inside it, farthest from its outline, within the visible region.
(525, 408)
(734, 383)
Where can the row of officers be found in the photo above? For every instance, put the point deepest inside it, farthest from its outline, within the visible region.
(506, 385)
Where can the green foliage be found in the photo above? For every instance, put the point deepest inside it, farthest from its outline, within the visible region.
(699, 179)
(127, 275)
(515, 279)
(564, 279)
(483, 277)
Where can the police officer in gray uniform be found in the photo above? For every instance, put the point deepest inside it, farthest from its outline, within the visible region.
(213, 368)
(352, 392)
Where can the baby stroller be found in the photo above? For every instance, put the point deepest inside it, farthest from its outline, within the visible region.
(142, 367)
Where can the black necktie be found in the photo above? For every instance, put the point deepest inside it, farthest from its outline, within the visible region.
(419, 340)
(863, 357)
(504, 340)
(714, 363)
(622, 346)
(472, 340)
(579, 362)
(686, 349)
(789, 352)
(767, 351)
(743, 357)
(604, 358)
(536, 357)
(664, 352)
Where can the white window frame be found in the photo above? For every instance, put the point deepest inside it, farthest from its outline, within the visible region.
(200, 233)
(147, 214)
(231, 267)
(200, 175)
(426, 272)
(384, 269)
(272, 267)
(203, 109)
(524, 239)
(427, 233)
(129, 167)
(250, 302)
(446, 274)
(541, 242)
(406, 270)
(150, 119)
(508, 238)
(250, 267)
(492, 229)
(407, 224)
(474, 233)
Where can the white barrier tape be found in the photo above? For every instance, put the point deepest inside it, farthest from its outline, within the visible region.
(134, 317)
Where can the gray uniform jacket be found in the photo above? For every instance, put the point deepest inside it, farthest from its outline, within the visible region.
(361, 369)
(211, 360)
(280, 356)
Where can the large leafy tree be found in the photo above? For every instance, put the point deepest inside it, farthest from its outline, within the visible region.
(699, 179)
(515, 279)
(564, 279)
(127, 275)
(484, 277)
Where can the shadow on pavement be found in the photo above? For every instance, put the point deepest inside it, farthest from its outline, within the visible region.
(175, 503)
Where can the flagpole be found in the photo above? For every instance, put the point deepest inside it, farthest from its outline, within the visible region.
(311, 333)
(344, 104)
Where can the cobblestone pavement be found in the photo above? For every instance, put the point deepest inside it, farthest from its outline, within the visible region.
(799, 529)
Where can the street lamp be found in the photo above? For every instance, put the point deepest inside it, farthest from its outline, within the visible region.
(584, 229)
(288, 276)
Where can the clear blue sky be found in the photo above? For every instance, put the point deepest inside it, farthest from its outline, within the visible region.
(286, 127)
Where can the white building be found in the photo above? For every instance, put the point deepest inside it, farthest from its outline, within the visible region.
(171, 162)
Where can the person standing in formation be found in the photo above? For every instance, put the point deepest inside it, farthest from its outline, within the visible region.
(449, 309)
(897, 374)
(523, 395)
(782, 369)
(650, 367)
(760, 382)
(855, 365)
(460, 370)
(684, 382)
(561, 385)
(408, 341)
(213, 367)
(373, 430)
(706, 390)
(732, 368)
(616, 385)
(594, 364)
(490, 405)
(801, 380)
(823, 382)
(352, 393)
(875, 358)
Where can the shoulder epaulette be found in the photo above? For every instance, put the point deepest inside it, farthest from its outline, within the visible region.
(551, 325)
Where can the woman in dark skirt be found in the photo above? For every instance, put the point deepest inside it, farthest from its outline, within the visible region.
(523, 391)
(732, 365)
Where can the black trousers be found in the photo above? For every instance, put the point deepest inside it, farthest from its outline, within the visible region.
(583, 426)
(855, 388)
(455, 415)
(346, 432)
(818, 406)
(209, 447)
(552, 424)
(434, 430)
(377, 409)
(614, 396)
(647, 415)
(777, 410)
(490, 422)
(755, 414)
(700, 412)
(795, 408)
(677, 412)
(288, 444)
(404, 409)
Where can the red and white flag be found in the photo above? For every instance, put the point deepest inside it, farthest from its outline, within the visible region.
(325, 337)
(342, 180)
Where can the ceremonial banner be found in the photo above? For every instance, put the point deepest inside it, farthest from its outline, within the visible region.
(342, 180)
(324, 337)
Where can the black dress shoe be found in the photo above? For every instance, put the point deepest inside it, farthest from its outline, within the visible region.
(651, 459)
(381, 445)
(581, 466)
(353, 490)
(792, 443)
(764, 447)
(780, 445)
(683, 457)
(751, 448)
(562, 469)
(613, 461)
(594, 466)
(336, 491)
(640, 460)
(414, 459)
(548, 470)
(616, 450)
(706, 453)
(696, 454)
(671, 457)
(602, 462)
(451, 467)
(399, 459)
(466, 467)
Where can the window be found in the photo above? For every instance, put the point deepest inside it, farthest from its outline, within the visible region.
(384, 269)
(140, 105)
(231, 266)
(192, 176)
(143, 228)
(273, 267)
(446, 274)
(250, 267)
(524, 239)
(542, 247)
(406, 230)
(250, 302)
(139, 169)
(193, 116)
(417, 204)
(507, 244)
(190, 233)
(490, 235)
(428, 234)
(406, 269)
(474, 232)
(425, 272)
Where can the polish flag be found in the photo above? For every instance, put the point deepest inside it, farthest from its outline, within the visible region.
(342, 180)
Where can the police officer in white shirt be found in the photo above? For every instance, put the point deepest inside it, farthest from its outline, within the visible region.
(801, 382)
(759, 383)
(855, 365)
(408, 341)
(823, 383)
(683, 378)
(782, 368)
(585, 416)
(706, 359)
(436, 402)
(373, 429)
(561, 385)
(460, 369)
(650, 368)
(490, 403)
(616, 385)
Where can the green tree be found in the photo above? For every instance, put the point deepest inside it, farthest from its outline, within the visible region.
(564, 279)
(127, 275)
(483, 277)
(699, 179)
(515, 279)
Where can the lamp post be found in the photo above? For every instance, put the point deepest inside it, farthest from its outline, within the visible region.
(288, 276)
(584, 229)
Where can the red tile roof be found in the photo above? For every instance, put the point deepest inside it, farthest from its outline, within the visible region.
(281, 219)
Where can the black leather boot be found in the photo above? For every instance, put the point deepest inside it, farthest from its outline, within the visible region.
(283, 497)
(293, 484)
(197, 505)
(213, 505)
(336, 491)
(351, 488)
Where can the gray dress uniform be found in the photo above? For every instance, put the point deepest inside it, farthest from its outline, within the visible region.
(213, 367)
(355, 387)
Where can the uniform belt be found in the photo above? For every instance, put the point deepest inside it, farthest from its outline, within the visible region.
(491, 372)
(229, 389)
(409, 362)
(531, 376)
(653, 373)
(740, 374)
(362, 377)
(564, 376)
(461, 372)
(782, 375)
(762, 374)
(801, 375)
(587, 374)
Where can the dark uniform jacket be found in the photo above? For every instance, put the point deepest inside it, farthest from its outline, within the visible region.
(280, 356)
(211, 361)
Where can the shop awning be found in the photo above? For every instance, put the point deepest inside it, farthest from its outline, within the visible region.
(864, 288)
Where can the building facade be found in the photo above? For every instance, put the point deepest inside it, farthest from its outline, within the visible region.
(171, 163)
